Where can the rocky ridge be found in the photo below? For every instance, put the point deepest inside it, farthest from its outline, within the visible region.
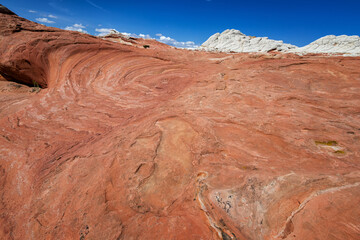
(232, 40)
(104, 140)
(348, 45)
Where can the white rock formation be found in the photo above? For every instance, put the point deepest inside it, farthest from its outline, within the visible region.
(114, 32)
(232, 40)
(347, 45)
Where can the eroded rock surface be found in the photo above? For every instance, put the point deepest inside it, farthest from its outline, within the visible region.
(348, 45)
(104, 140)
(232, 40)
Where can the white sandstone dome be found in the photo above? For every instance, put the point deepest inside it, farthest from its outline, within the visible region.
(232, 40)
(348, 45)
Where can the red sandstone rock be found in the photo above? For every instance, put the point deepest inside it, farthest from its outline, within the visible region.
(124, 142)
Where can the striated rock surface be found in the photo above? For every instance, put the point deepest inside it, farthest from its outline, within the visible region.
(348, 45)
(103, 140)
(232, 40)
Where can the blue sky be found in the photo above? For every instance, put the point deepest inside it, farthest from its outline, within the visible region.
(293, 21)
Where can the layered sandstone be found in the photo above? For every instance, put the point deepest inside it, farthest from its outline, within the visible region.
(104, 140)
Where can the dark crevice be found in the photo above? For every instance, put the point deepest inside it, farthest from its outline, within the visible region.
(28, 83)
(293, 64)
(289, 228)
(19, 28)
(226, 236)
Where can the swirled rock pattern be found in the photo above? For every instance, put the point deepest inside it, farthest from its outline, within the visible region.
(105, 140)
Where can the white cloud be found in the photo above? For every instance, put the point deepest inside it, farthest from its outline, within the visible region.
(32, 11)
(52, 16)
(173, 42)
(77, 27)
(166, 39)
(146, 36)
(44, 20)
(130, 34)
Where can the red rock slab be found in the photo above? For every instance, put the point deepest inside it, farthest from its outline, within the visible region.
(105, 140)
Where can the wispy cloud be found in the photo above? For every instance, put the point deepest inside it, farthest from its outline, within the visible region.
(146, 36)
(44, 20)
(175, 43)
(52, 16)
(95, 5)
(77, 27)
(56, 5)
(32, 11)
